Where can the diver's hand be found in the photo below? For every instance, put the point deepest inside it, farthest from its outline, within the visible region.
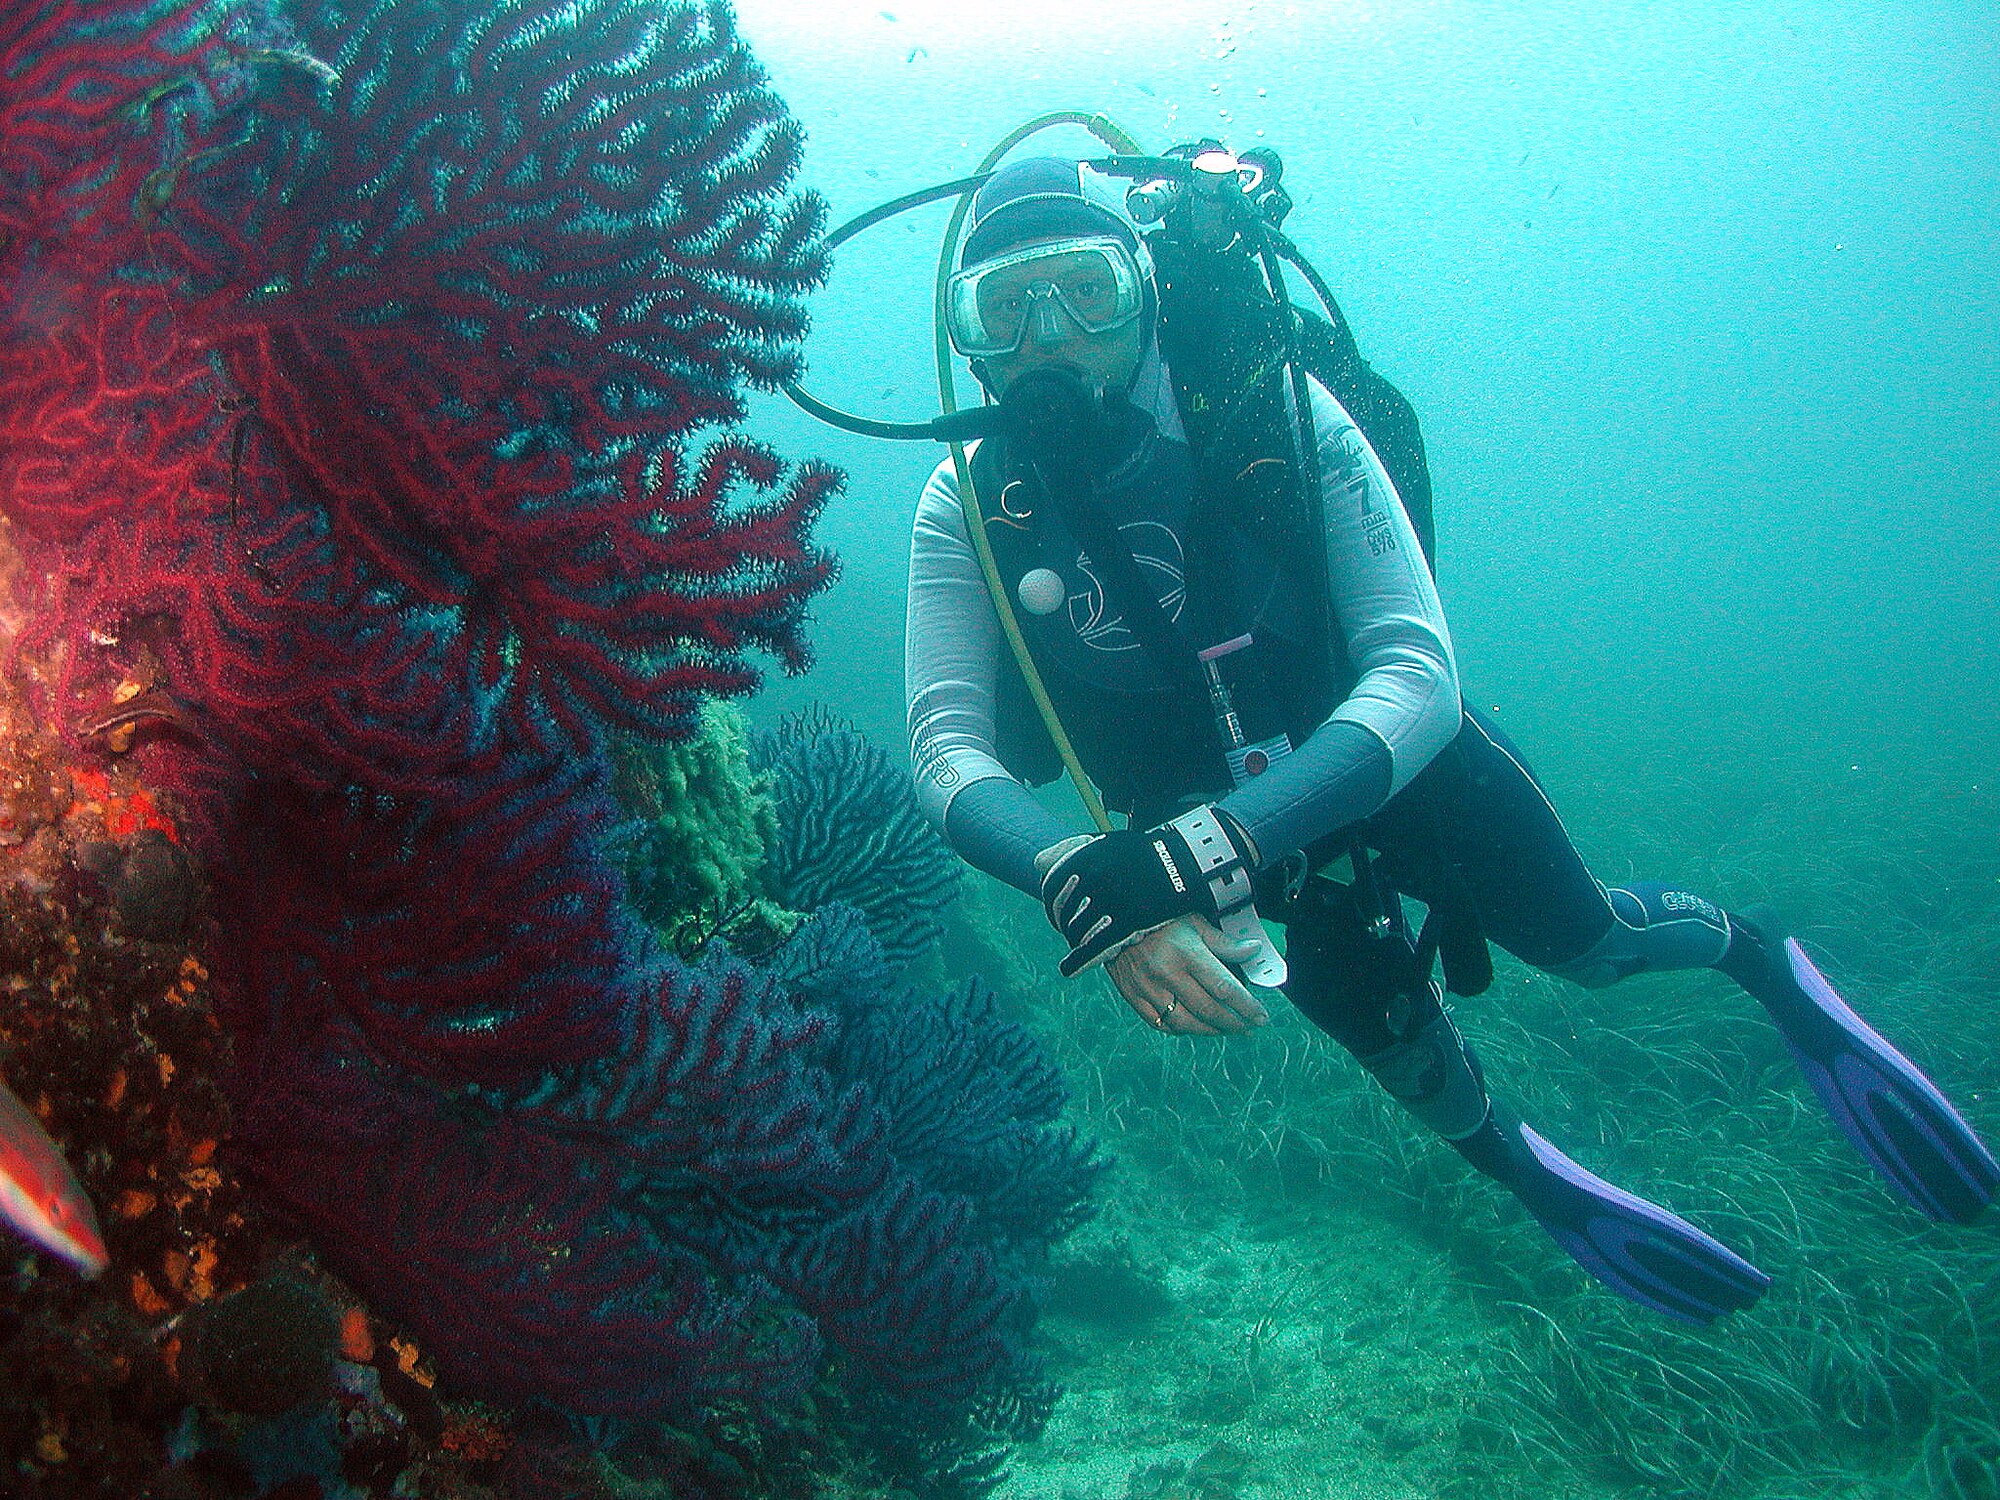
(1115, 888)
(1177, 978)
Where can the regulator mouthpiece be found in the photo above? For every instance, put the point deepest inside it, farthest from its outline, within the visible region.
(1054, 411)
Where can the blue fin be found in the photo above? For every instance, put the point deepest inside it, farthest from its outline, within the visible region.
(1894, 1115)
(1638, 1249)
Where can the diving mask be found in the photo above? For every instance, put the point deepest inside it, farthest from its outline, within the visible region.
(1097, 282)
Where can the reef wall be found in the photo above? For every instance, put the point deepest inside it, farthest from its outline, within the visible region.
(352, 363)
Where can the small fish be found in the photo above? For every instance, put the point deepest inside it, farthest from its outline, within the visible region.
(1556, 189)
(322, 73)
(136, 707)
(39, 1194)
(154, 193)
(886, 16)
(142, 106)
(149, 204)
(1144, 90)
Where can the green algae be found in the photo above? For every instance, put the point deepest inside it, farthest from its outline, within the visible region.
(696, 868)
(1365, 1317)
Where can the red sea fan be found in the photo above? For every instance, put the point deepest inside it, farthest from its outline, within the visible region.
(104, 105)
(350, 383)
(483, 940)
(393, 335)
(500, 257)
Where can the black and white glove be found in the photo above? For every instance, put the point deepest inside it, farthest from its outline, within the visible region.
(1117, 887)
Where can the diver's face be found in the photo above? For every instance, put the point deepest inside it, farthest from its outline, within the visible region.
(1105, 361)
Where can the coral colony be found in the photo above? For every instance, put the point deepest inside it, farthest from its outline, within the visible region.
(352, 358)
(849, 829)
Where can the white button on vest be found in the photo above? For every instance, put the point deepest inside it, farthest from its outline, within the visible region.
(1041, 591)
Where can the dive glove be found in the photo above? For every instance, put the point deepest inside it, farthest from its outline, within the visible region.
(1117, 887)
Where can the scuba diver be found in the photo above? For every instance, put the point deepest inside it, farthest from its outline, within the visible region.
(1227, 618)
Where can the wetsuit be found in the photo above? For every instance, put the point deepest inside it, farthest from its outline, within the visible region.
(1400, 764)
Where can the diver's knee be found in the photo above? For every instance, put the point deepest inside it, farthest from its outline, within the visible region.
(1432, 1073)
(1654, 927)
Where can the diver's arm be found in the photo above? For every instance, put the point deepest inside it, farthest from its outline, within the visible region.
(1404, 707)
(951, 662)
(997, 826)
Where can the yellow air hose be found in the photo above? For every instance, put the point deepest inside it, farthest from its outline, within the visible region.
(975, 520)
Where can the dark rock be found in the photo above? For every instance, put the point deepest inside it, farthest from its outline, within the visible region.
(212, 1475)
(1108, 1291)
(265, 1349)
(1226, 1396)
(154, 888)
(420, 1408)
(375, 1459)
(1223, 1466)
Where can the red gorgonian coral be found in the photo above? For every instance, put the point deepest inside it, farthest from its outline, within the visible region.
(365, 361)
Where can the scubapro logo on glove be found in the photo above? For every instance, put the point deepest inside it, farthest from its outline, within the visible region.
(1173, 870)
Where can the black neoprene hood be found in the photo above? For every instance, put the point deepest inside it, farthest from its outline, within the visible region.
(1040, 198)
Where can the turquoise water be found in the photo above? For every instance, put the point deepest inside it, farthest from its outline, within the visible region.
(1700, 306)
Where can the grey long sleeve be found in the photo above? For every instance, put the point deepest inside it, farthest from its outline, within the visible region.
(998, 827)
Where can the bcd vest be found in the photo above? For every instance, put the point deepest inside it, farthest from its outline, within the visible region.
(1251, 519)
(1152, 745)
